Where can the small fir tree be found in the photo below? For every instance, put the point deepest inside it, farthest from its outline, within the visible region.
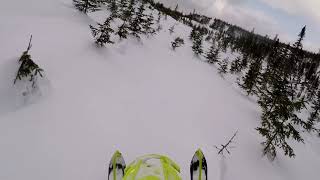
(236, 66)
(102, 33)
(223, 66)
(159, 18)
(197, 44)
(123, 31)
(314, 115)
(86, 6)
(123, 5)
(177, 43)
(279, 118)
(28, 68)
(213, 54)
(113, 7)
(147, 25)
(251, 78)
(193, 34)
(137, 22)
(128, 12)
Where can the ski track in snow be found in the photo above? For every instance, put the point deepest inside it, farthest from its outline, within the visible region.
(139, 98)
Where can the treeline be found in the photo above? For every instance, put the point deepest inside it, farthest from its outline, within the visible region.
(283, 77)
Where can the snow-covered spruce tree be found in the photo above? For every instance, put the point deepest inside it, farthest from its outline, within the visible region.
(314, 115)
(86, 6)
(147, 25)
(244, 61)
(159, 18)
(137, 22)
(28, 69)
(193, 34)
(213, 54)
(113, 7)
(223, 66)
(123, 8)
(102, 33)
(177, 43)
(296, 64)
(123, 4)
(278, 117)
(123, 31)
(236, 66)
(129, 11)
(197, 44)
(280, 122)
(252, 76)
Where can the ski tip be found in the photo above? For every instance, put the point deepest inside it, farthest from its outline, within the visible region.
(198, 167)
(116, 155)
(117, 166)
(199, 154)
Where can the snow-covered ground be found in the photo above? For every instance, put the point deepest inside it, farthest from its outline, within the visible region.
(138, 98)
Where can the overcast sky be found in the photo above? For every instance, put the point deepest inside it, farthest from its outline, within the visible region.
(283, 17)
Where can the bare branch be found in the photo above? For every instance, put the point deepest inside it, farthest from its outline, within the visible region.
(30, 45)
(224, 148)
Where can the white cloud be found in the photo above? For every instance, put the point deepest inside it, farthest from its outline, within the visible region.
(308, 8)
(233, 11)
(240, 12)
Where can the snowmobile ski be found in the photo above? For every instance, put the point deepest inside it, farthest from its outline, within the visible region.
(117, 166)
(198, 167)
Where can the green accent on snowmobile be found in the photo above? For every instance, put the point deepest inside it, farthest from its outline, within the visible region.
(200, 156)
(115, 156)
(141, 169)
(154, 167)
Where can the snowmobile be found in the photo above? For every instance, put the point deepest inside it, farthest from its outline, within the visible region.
(155, 167)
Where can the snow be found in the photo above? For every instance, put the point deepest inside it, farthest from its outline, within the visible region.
(135, 97)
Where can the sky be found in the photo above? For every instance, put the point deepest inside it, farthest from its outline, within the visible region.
(283, 17)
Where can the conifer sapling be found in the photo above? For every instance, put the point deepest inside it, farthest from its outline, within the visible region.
(177, 43)
(102, 33)
(28, 68)
(86, 5)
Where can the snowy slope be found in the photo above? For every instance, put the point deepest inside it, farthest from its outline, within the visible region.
(139, 98)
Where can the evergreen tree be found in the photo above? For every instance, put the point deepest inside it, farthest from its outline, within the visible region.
(123, 31)
(159, 27)
(86, 5)
(123, 5)
(223, 66)
(28, 68)
(295, 64)
(213, 54)
(197, 44)
(278, 117)
(147, 25)
(136, 23)
(251, 78)
(113, 7)
(177, 43)
(244, 61)
(102, 33)
(129, 11)
(159, 18)
(193, 34)
(236, 66)
(314, 115)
